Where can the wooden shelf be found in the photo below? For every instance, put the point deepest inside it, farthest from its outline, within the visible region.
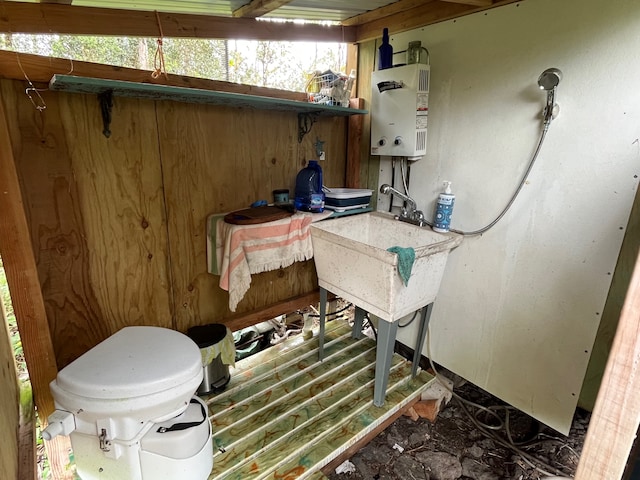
(70, 83)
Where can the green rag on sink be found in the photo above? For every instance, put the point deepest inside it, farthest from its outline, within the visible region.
(406, 257)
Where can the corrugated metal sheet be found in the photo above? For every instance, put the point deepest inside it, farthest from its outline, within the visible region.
(317, 10)
(199, 7)
(335, 10)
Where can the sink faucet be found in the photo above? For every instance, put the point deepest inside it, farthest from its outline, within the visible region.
(410, 213)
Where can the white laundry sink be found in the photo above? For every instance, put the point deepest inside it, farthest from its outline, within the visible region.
(352, 261)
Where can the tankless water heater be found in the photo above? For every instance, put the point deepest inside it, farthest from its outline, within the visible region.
(399, 110)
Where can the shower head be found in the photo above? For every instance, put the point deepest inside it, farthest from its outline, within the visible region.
(549, 79)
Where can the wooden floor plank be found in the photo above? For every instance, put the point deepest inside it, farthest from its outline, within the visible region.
(318, 454)
(280, 354)
(295, 389)
(261, 385)
(286, 415)
(305, 423)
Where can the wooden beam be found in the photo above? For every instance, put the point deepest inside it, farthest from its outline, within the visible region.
(10, 422)
(27, 439)
(41, 69)
(478, 3)
(22, 277)
(258, 8)
(369, 165)
(352, 64)
(354, 140)
(616, 416)
(427, 14)
(26, 295)
(387, 10)
(243, 320)
(17, 17)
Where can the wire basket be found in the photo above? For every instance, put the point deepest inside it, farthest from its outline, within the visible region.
(329, 88)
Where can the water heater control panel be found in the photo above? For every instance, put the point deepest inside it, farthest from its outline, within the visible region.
(399, 110)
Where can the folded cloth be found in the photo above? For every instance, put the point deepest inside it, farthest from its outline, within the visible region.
(242, 250)
(226, 348)
(406, 257)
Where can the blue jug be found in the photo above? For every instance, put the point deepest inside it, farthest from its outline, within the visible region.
(309, 196)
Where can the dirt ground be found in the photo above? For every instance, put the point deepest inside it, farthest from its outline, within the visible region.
(455, 448)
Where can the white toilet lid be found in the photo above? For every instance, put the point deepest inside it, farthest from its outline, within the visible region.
(135, 361)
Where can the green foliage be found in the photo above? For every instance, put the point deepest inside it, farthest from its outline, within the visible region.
(4, 292)
(14, 336)
(110, 50)
(26, 399)
(195, 58)
(270, 64)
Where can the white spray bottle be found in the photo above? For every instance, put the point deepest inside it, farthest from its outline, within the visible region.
(444, 209)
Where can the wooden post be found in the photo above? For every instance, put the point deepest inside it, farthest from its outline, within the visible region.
(354, 139)
(9, 404)
(352, 64)
(28, 304)
(616, 415)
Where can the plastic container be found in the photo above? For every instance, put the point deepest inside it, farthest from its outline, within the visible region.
(444, 209)
(385, 52)
(416, 53)
(347, 197)
(281, 195)
(309, 196)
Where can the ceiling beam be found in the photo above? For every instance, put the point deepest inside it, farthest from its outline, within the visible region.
(258, 8)
(39, 69)
(17, 17)
(391, 9)
(478, 3)
(426, 14)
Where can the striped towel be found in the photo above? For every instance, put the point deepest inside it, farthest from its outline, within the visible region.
(242, 250)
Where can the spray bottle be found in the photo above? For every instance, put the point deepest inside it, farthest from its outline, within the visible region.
(444, 209)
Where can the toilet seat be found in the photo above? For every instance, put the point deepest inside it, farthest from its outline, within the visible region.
(136, 361)
(144, 372)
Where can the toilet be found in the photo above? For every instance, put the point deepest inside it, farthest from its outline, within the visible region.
(129, 408)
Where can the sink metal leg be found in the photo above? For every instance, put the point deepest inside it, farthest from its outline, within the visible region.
(358, 320)
(323, 313)
(422, 334)
(384, 352)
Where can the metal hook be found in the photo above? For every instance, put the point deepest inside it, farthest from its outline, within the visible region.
(40, 104)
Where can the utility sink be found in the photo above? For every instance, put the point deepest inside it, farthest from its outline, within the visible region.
(352, 261)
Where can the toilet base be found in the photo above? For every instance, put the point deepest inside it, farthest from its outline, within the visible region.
(150, 455)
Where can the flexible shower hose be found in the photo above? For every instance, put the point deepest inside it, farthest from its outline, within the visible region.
(515, 194)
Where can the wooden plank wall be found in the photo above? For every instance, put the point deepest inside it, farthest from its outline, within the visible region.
(9, 404)
(369, 164)
(118, 224)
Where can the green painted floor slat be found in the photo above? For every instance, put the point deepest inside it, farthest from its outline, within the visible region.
(285, 415)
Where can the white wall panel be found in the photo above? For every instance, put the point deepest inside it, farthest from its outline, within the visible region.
(519, 306)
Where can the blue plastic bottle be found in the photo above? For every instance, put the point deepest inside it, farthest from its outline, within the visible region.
(444, 209)
(309, 196)
(385, 52)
